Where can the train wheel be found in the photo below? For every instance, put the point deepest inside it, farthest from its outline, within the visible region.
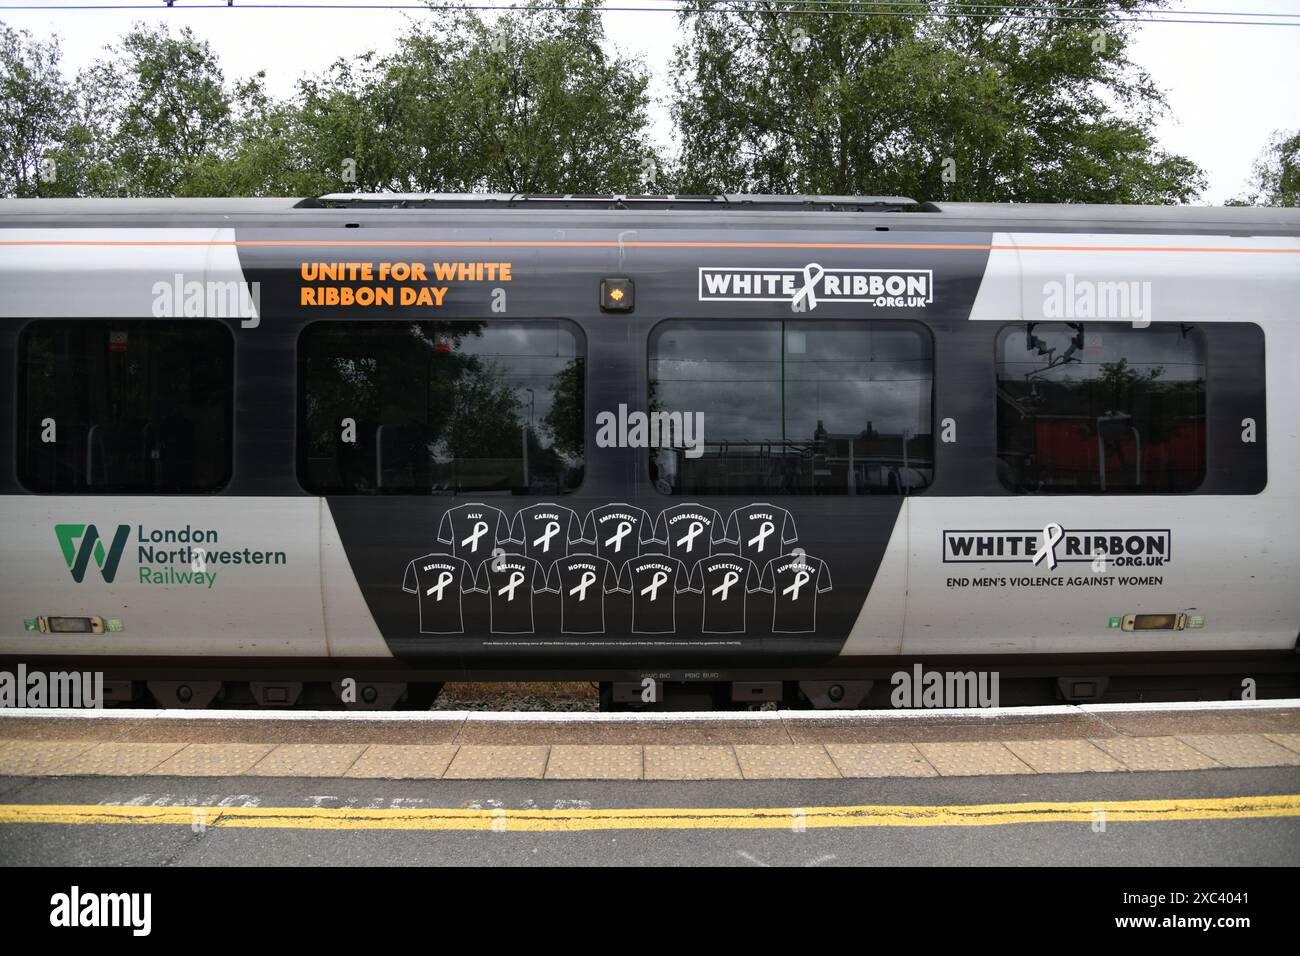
(186, 694)
(386, 695)
(420, 696)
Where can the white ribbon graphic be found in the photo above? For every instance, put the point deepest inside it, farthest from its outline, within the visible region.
(588, 579)
(1052, 535)
(730, 579)
(658, 581)
(688, 539)
(800, 579)
(516, 579)
(764, 530)
(624, 529)
(480, 529)
(552, 529)
(444, 579)
(805, 300)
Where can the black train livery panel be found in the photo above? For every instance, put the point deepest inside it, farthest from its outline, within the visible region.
(566, 437)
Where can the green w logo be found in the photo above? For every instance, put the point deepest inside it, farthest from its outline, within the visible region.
(91, 546)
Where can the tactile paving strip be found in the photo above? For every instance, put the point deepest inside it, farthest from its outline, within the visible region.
(880, 760)
(479, 762)
(563, 761)
(785, 762)
(23, 758)
(403, 762)
(594, 762)
(691, 762)
(213, 760)
(308, 760)
(119, 760)
(1289, 741)
(1063, 756)
(972, 759)
(1155, 753)
(1242, 750)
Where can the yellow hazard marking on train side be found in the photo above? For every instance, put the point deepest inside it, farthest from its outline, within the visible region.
(669, 818)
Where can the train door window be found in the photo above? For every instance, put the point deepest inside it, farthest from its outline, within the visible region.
(440, 407)
(117, 406)
(791, 408)
(1093, 408)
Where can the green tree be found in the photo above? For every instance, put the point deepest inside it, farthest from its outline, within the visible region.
(529, 103)
(174, 113)
(145, 118)
(1276, 177)
(272, 152)
(34, 103)
(1000, 107)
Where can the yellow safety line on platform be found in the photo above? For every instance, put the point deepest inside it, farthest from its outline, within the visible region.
(670, 818)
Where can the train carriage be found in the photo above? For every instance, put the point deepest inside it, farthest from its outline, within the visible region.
(706, 451)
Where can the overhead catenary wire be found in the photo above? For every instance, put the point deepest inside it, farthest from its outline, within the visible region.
(741, 7)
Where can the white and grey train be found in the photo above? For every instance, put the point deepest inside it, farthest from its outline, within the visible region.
(748, 448)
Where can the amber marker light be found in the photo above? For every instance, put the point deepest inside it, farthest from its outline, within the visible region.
(616, 295)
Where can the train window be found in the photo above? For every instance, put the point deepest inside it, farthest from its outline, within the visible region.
(124, 406)
(1091, 408)
(440, 407)
(793, 408)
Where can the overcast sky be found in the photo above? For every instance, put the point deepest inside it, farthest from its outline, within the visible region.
(1229, 87)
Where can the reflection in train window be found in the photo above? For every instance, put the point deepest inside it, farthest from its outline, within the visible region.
(440, 407)
(1101, 408)
(122, 406)
(795, 408)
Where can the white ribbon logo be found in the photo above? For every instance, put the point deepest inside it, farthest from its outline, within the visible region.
(552, 529)
(688, 539)
(1052, 535)
(624, 529)
(658, 581)
(516, 579)
(731, 578)
(588, 579)
(800, 579)
(805, 300)
(480, 529)
(764, 531)
(444, 579)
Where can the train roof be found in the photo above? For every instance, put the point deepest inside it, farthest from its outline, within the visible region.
(651, 211)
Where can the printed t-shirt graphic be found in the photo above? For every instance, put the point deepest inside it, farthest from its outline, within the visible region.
(726, 581)
(438, 580)
(582, 581)
(617, 532)
(654, 581)
(473, 530)
(689, 531)
(795, 580)
(760, 531)
(510, 580)
(545, 532)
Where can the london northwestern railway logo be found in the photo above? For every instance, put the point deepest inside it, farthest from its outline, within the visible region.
(168, 556)
(805, 287)
(82, 543)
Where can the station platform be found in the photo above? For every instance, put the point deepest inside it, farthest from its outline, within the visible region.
(761, 745)
(1206, 784)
